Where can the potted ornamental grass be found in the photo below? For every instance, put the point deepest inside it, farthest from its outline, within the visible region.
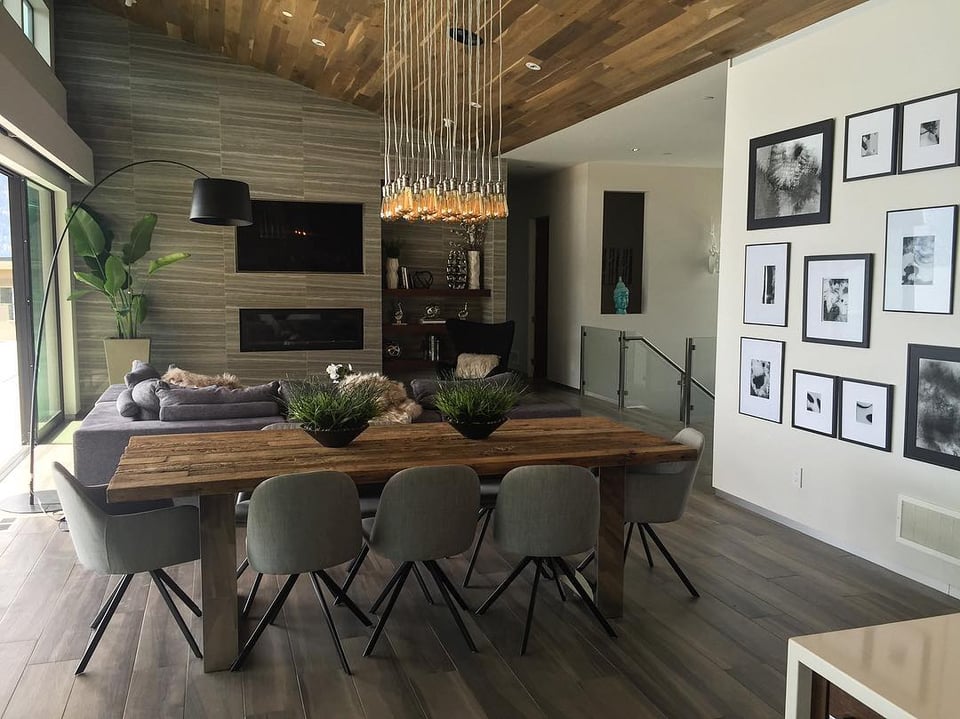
(477, 407)
(332, 413)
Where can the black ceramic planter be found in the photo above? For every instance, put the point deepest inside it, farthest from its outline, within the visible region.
(336, 437)
(477, 430)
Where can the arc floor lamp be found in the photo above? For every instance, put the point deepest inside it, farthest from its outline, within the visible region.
(216, 201)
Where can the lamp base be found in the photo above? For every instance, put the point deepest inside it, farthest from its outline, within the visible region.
(45, 501)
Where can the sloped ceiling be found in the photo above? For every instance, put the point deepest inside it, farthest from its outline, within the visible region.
(594, 54)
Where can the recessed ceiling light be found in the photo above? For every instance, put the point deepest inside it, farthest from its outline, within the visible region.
(286, 13)
(533, 66)
(635, 149)
(476, 105)
(318, 42)
(668, 153)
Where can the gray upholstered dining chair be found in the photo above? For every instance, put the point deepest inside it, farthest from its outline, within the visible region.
(656, 495)
(111, 539)
(303, 524)
(425, 514)
(544, 513)
(489, 490)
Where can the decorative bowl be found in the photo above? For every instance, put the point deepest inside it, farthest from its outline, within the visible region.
(476, 430)
(340, 437)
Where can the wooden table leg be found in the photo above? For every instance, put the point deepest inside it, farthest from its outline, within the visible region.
(610, 542)
(218, 581)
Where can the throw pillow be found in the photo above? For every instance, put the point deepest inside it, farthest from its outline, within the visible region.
(139, 372)
(145, 395)
(170, 396)
(184, 378)
(474, 366)
(126, 405)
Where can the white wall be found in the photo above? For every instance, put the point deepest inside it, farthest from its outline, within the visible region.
(882, 52)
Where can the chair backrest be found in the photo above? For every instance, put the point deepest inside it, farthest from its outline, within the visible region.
(483, 338)
(87, 521)
(303, 522)
(659, 493)
(547, 511)
(427, 513)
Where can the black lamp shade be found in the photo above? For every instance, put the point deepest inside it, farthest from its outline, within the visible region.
(217, 201)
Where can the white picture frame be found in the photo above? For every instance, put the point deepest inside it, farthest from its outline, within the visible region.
(929, 133)
(919, 260)
(865, 414)
(837, 296)
(871, 142)
(814, 402)
(761, 378)
(766, 284)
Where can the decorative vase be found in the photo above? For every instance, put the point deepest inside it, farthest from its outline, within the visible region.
(621, 297)
(120, 355)
(476, 430)
(392, 350)
(391, 268)
(473, 269)
(457, 269)
(339, 437)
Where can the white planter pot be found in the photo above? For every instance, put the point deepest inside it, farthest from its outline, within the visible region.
(473, 269)
(390, 270)
(121, 354)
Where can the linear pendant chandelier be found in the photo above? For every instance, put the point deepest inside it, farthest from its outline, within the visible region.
(442, 114)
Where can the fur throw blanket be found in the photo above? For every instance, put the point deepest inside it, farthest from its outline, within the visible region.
(396, 407)
(183, 378)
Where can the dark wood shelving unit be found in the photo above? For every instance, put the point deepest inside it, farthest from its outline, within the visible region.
(414, 328)
(404, 364)
(438, 292)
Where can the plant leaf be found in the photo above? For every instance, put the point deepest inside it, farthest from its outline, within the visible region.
(138, 306)
(88, 278)
(78, 294)
(161, 262)
(140, 237)
(86, 234)
(116, 275)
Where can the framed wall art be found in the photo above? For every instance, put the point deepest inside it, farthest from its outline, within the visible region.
(766, 284)
(814, 402)
(929, 133)
(932, 425)
(865, 412)
(919, 263)
(836, 299)
(871, 140)
(761, 378)
(790, 177)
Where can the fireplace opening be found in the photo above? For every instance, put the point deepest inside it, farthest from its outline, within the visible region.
(288, 330)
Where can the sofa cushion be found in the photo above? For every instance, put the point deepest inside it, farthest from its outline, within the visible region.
(170, 396)
(216, 410)
(139, 372)
(145, 395)
(111, 393)
(126, 405)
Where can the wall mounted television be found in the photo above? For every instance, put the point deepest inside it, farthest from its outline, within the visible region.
(291, 236)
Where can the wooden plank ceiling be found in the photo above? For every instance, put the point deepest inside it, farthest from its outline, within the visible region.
(595, 54)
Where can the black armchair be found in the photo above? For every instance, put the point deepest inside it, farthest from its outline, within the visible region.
(482, 338)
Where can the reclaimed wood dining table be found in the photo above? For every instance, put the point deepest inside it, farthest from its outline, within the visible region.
(214, 466)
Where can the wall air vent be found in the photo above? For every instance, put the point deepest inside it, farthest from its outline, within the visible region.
(929, 528)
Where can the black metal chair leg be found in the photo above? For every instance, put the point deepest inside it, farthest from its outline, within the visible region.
(243, 566)
(423, 584)
(626, 544)
(330, 625)
(487, 513)
(248, 604)
(587, 560)
(646, 547)
(556, 579)
(401, 577)
(103, 609)
(168, 600)
(588, 600)
(181, 595)
(442, 583)
(340, 596)
(104, 621)
(503, 585)
(272, 611)
(386, 590)
(533, 601)
(671, 561)
(352, 573)
(438, 571)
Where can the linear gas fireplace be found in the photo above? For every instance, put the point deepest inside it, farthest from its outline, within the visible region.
(285, 330)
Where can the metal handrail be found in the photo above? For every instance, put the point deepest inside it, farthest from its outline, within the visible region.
(666, 358)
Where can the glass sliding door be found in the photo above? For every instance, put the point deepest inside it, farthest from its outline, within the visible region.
(11, 426)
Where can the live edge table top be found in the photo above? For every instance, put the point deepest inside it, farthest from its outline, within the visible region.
(212, 463)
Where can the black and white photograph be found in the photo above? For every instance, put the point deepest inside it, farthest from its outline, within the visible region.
(871, 141)
(932, 431)
(791, 177)
(761, 378)
(865, 413)
(814, 402)
(765, 284)
(836, 299)
(929, 132)
(919, 260)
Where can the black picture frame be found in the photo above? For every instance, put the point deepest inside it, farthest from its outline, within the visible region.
(904, 128)
(867, 260)
(894, 162)
(833, 403)
(781, 351)
(785, 284)
(916, 446)
(825, 128)
(955, 211)
(888, 419)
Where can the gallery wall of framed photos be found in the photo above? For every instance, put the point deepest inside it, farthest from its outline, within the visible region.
(839, 330)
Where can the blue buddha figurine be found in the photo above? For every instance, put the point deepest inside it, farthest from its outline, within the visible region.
(621, 297)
